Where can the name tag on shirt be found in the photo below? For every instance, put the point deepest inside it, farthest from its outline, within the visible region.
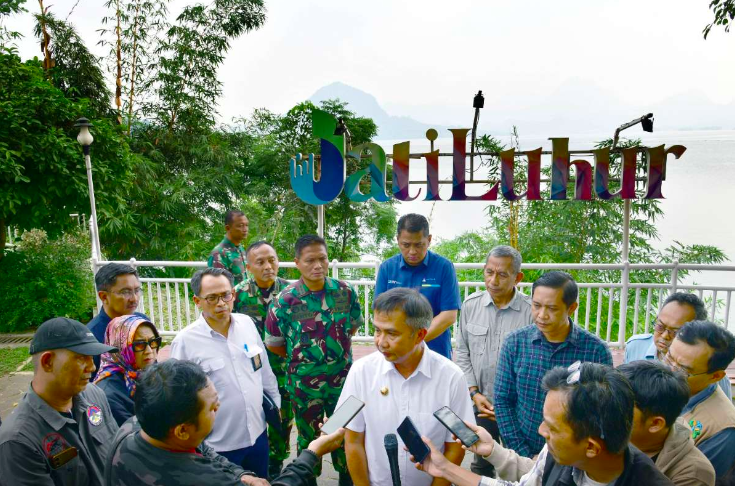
(253, 352)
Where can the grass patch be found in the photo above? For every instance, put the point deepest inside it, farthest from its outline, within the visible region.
(11, 358)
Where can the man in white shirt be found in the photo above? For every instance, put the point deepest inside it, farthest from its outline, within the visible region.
(229, 349)
(404, 379)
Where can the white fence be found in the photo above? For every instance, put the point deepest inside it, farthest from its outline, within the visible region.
(168, 301)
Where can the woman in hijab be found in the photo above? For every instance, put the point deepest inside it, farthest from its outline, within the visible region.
(138, 342)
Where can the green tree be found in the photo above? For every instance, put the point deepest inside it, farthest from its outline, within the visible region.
(724, 11)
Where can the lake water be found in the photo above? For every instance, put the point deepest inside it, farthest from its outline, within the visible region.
(699, 193)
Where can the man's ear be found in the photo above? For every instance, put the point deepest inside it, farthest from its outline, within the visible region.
(717, 376)
(421, 334)
(197, 301)
(102, 294)
(519, 277)
(594, 447)
(572, 308)
(227, 228)
(429, 243)
(181, 432)
(655, 424)
(47, 361)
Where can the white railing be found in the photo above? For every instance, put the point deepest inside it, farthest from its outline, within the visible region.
(168, 303)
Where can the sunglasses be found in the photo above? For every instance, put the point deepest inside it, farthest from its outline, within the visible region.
(139, 346)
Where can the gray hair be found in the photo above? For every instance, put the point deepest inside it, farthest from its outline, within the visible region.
(505, 251)
(416, 307)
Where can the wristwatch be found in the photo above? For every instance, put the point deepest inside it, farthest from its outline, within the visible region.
(474, 392)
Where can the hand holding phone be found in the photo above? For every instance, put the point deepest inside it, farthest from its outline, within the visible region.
(343, 415)
(455, 425)
(412, 438)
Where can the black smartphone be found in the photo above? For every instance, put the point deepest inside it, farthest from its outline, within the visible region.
(455, 425)
(412, 438)
(343, 415)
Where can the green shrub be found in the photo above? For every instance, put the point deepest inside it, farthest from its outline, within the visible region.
(46, 278)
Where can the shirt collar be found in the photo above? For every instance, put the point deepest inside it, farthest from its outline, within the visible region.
(424, 366)
(302, 290)
(514, 303)
(424, 263)
(652, 351)
(49, 414)
(572, 337)
(700, 397)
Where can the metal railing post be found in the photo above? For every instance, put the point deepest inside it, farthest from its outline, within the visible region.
(335, 269)
(675, 276)
(623, 320)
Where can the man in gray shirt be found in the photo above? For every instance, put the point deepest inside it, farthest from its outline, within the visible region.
(487, 316)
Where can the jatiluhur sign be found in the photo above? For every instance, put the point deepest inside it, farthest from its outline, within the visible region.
(334, 178)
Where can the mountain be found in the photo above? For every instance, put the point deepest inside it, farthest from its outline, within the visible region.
(364, 104)
(574, 107)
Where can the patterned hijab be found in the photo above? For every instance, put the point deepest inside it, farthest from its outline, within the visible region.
(120, 333)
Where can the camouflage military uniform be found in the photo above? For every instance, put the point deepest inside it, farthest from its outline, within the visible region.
(249, 300)
(228, 256)
(316, 328)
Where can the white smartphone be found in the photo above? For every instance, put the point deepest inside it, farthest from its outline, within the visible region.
(343, 415)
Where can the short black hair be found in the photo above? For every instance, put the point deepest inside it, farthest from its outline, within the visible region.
(717, 337)
(167, 396)
(107, 275)
(685, 298)
(231, 215)
(256, 245)
(599, 405)
(558, 280)
(196, 279)
(414, 305)
(308, 240)
(413, 223)
(658, 390)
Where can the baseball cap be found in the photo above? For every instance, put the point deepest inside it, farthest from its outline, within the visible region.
(65, 333)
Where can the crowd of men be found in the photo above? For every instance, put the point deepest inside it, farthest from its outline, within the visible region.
(540, 392)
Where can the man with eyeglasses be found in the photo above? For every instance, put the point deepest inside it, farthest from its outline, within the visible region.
(702, 351)
(678, 309)
(487, 317)
(119, 289)
(587, 422)
(229, 348)
(432, 275)
(311, 324)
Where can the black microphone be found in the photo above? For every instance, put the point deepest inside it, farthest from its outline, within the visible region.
(391, 449)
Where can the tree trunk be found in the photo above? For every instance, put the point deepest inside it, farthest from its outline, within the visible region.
(3, 231)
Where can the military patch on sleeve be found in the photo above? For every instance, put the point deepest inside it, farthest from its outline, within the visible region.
(57, 450)
(696, 427)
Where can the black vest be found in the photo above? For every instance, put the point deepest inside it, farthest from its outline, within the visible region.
(639, 469)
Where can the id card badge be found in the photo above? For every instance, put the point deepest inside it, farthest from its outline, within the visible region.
(58, 460)
(253, 352)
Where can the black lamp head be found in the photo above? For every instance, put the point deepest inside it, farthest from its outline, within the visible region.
(647, 123)
(479, 101)
(341, 128)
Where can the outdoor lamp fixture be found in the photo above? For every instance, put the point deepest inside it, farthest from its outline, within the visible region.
(646, 122)
(341, 129)
(478, 102)
(85, 139)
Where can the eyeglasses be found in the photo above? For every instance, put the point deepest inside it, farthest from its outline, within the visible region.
(213, 299)
(660, 327)
(129, 293)
(575, 372)
(669, 361)
(139, 346)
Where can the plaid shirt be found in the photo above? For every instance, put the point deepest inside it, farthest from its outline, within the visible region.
(525, 358)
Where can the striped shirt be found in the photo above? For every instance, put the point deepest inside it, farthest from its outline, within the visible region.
(525, 358)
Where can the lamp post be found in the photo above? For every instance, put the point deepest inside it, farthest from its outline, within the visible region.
(85, 139)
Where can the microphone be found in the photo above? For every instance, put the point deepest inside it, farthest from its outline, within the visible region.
(391, 449)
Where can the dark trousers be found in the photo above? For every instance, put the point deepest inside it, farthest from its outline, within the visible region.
(253, 458)
(480, 465)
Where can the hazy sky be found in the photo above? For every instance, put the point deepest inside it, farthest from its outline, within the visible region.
(420, 58)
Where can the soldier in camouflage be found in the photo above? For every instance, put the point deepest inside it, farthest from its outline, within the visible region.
(253, 297)
(163, 446)
(230, 254)
(311, 324)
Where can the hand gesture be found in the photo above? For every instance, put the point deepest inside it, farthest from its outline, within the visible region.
(484, 446)
(434, 463)
(327, 443)
(254, 481)
(486, 409)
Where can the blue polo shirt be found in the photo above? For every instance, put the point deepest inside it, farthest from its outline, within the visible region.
(641, 346)
(434, 278)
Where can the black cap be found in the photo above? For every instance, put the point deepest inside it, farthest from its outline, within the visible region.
(64, 333)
